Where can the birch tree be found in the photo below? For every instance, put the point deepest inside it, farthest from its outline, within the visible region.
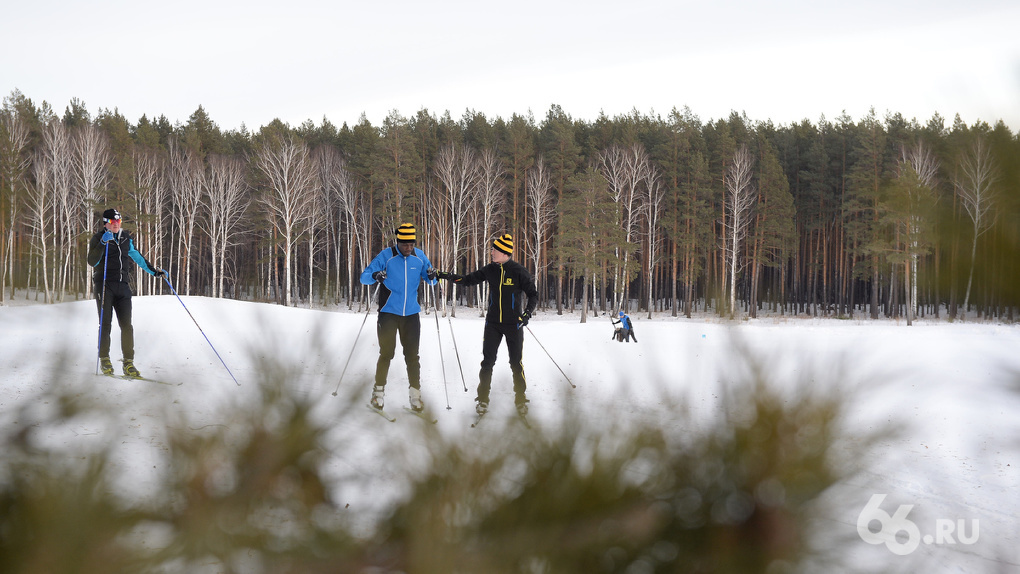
(328, 160)
(976, 188)
(91, 169)
(312, 223)
(458, 170)
(918, 183)
(623, 169)
(612, 167)
(187, 177)
(151, 195)
(290, 178)
(492, 193)
(226, 199)
(56, 148)
(437, 213)
(653, 203)
(14, 162)
(351, 203)
(740, 197)
(541, 206)
(39, 210)
(491, 205)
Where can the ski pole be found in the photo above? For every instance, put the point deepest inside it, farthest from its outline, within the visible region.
(457, 352)
(368, 309)
(174, 291)
(439, 339)
(102, 305)
(572, 385)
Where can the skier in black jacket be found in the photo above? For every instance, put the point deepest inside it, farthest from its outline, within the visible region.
(112, 254)
(507, 280)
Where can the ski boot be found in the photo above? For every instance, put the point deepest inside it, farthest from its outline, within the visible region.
(481, 408)
(522, 408)
(130, 370)
(377, 397)
(106, 366)
(415, 398)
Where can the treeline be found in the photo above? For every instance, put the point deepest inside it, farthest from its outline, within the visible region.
(881, 217)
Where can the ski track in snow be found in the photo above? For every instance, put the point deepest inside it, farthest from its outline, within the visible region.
(952, 387)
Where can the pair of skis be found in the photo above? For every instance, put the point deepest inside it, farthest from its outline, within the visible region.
(423, 416)
(523, 418)
(130, 378)
(393, 419)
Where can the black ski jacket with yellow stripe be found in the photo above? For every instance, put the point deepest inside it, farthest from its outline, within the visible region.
(507, 282)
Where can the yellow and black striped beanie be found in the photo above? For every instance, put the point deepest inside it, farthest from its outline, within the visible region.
(405, 233)
(504, 243)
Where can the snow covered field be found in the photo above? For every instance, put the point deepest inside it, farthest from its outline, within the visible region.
(952, 391)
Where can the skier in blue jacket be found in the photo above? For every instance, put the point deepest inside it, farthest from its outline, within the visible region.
(112, 255)
(400, 269)
(626, 328)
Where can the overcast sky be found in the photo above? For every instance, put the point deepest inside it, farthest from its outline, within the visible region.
(249, 62)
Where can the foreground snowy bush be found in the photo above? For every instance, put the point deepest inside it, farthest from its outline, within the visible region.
(253, 494)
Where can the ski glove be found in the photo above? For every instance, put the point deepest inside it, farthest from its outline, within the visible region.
(432, 273)
(525, 317)
(107, 236)
(379, 276)
(448, 276)
(160, 273)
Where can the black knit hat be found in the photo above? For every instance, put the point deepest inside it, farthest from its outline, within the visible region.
(405, 233)
(504, 243)
(110, 214)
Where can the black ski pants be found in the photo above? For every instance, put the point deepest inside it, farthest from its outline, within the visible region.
(116, 297)
(409, 329)
(494, 334)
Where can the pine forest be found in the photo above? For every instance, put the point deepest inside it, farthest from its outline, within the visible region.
(879, 216)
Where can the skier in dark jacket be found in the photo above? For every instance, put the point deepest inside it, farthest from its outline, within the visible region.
(112, 254)
(508, 281)
(400, 270)
(626, 328)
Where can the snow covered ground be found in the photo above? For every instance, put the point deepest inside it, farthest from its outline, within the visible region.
(950, 390)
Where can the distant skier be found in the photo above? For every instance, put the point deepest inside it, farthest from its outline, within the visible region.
(625, 331)
(507, 280)
(400, 269)
(111, 254)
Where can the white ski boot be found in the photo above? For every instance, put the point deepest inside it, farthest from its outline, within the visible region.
(415, 398)
(377, 397)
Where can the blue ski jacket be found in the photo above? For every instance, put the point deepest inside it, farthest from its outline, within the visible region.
(625, 320)
(399, 291)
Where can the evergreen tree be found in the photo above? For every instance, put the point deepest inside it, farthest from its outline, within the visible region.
(120, 184)
(396, 171)
(76, 114)
(775, 234)
(518, 143)
(202, 135)
(586, 243)
(861, 209)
